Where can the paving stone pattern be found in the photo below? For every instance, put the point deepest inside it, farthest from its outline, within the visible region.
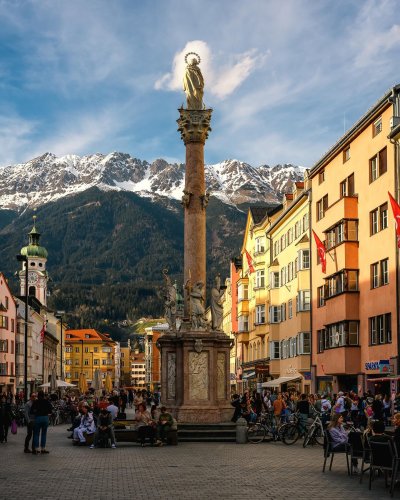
(186, 471)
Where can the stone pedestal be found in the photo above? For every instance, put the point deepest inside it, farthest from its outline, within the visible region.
(195, 376)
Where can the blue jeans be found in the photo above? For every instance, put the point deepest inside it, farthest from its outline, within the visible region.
(41, 424)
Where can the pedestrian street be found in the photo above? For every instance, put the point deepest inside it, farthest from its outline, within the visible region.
(186, 471)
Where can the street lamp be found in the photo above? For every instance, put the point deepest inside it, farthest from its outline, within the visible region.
(24, 258)
(58, 315)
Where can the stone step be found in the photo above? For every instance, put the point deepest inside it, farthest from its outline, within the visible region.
(225, 432)
(206, 439)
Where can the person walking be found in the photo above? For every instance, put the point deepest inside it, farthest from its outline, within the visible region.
(5, 418)
(41, 409)
(30, 420)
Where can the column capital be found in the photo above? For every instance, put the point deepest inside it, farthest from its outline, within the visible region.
(194, 124)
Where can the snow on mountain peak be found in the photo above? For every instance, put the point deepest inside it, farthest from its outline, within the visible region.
(48, 178)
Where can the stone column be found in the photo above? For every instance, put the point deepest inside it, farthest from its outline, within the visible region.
(194, 126)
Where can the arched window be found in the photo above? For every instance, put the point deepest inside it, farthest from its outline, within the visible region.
(32, 291)
(259, 354)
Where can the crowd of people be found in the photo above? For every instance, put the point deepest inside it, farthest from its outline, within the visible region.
(342, 414)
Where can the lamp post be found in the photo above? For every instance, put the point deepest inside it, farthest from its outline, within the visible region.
(24, 258)
(58, 315)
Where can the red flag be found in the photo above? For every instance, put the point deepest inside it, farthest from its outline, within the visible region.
(396, 214)
(42, 332)
(250, 262)
(321, 252)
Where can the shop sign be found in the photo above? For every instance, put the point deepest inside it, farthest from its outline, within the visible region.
(264, 369)
(291, 370)
(383, 366)
(307, 375)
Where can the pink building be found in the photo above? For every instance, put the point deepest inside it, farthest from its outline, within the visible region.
(8, 322)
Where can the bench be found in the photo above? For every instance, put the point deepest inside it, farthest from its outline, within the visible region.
(125, 431)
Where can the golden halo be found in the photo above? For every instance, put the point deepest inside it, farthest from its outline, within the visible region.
(193, 54)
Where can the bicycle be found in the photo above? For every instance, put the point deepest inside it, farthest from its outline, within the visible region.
(315, 433)
(291, 431)
(261, 430)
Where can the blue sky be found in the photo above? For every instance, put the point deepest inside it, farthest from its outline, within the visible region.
(283, 77)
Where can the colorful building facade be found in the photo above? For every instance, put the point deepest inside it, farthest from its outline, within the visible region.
(8, 329)
(355, 303)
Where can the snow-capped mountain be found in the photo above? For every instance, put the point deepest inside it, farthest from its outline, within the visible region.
(49, 178)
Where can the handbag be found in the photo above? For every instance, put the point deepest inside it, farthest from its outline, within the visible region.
(14, 426)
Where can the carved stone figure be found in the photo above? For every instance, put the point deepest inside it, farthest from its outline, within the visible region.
(216, 304)
(205, 199)
(193, 83)
(186, 198)
(170, 301)
(197, 305)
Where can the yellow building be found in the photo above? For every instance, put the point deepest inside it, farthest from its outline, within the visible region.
(85, 351)
(126, 372)
(289, 292)
(252, 298)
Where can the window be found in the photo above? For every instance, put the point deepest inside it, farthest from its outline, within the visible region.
(260, 314)
(243, 292)
(305, 222)
(274, 350)
(322, 206)
(87, 336)
(284, 349)
(303, 300)
(343, 281)
(76, 349)
(304, 343)
(260, 248)
(383, 216)
(320, 296)
(86, 362)
(377, 127)
(380, 273)
(378, 165)
(290, 236)
(304, 259)
(274, 314)
(374, 221)
(346, 154)
(68, 361)
(378, 219)
(3, 345)
(12, 347)
(86, 349)
(243, 323)
(12, 325)
(283, 311)
(3, 368)
(347, 187)
(274, 277)
(297, 229)
(4, 322)
(321, 176)
(341, 334)
(380, 329)
(260, 278)
(276, 248)
(76, 375)
(68, 349)
(375, 275)
(290, 309)
(283, 242)
(321, 340)
(96, 362)
(76, 362)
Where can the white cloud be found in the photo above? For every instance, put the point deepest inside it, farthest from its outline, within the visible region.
(221, 80)
(15, 136)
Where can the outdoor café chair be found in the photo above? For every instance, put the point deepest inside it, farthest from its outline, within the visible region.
(329, 450)
(383, 459)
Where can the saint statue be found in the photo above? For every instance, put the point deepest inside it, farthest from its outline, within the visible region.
(170, 301)
(216, 304)
(197, 305)
(193, 83)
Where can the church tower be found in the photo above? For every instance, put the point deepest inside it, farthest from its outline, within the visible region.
(36, 261)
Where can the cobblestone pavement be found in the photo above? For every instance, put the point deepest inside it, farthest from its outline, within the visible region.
(186, 471)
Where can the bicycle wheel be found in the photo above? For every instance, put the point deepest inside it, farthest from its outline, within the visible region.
(255, 433)
(319, 435)
(308, 437)
(289, 433)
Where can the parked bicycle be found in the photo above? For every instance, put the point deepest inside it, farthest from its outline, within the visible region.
(315, 433)
(261, 430)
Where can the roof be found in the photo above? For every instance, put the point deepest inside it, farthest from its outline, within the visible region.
(258, 213)
(356, 129)
(299, 185)
(94, 335)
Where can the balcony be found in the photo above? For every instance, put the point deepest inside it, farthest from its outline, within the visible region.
(342, 360)
(342, 306)
(344, 208)
(243, 308)
(261, 329)
(243, 337)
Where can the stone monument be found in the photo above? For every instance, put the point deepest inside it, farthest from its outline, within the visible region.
(195, 355)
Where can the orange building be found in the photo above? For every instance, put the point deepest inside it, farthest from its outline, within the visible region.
(355, 322)
(87, 350)
(152, 356)
(8, 326)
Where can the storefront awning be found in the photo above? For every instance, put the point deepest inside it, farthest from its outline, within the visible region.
(383, 379)
(248, 375)
(278, 381)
